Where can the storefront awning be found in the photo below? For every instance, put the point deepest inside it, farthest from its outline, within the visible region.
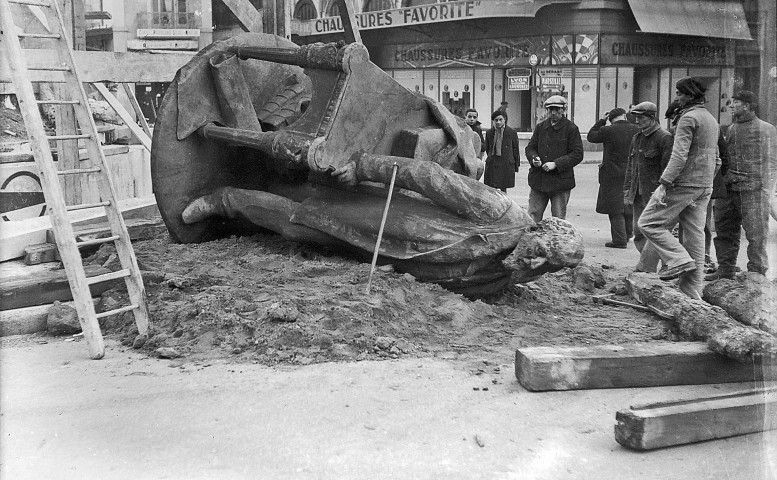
(701, 18)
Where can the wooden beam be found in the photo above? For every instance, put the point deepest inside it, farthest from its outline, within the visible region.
(26, 320)
(44, 286)
(658, 425)
(136, 107)
(132, 67)
(16, 236)
(249, 18)
(645, 365)
(145, 140)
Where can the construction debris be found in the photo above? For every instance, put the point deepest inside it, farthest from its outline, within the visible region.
(750, 298)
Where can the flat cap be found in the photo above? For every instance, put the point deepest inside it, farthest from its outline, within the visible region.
(746, 96)
(555, 101)
(645, 108)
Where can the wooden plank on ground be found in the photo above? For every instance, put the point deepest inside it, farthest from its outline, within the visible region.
(45, 286)
(645, 365)
(658, 425)
(131, 67)
(26, 320)
(16, 236)
(21, 157)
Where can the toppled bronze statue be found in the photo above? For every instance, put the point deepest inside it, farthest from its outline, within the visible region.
(246, 140)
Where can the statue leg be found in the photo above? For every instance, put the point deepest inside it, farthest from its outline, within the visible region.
(263, 209)
(456, 193)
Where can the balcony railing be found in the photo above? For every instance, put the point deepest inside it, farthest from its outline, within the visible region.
(168, 20)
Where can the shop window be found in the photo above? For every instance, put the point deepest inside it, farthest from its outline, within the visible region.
(563, 46)
(584, 113)
(587, 49)
(305, 10)
(333, 9)
(608, 90)
(377, 5)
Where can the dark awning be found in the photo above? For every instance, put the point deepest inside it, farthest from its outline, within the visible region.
(700, 18)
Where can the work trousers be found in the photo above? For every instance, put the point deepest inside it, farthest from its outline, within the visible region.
(648, 255)
(689, 206)
(738, 210)
(538, 202)
(621, 225)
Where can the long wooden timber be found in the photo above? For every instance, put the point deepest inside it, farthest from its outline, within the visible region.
(130, 67)
(647, 427)
(644, 365)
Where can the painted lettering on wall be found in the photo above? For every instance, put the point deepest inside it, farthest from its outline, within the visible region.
(624, 49)
(445, 11)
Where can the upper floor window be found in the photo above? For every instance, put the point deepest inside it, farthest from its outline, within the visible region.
(305, 10)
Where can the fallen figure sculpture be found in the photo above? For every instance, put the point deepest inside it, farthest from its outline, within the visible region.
(246, 141)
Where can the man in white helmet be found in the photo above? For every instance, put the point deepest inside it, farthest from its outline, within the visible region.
(554, 150)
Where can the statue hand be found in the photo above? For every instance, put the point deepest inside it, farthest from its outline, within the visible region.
(346, 174)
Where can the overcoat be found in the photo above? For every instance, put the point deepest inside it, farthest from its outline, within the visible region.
(559, 143)
(500, 170)
(616, 139)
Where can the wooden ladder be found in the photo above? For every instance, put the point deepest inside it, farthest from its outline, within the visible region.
(49, 175)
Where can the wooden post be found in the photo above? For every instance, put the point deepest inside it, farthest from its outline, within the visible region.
(767, 39)
(277, 18)
(67, 150)
(348, 17)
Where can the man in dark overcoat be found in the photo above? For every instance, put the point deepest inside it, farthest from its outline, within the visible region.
(504, 156)
(616, 138)
(554, 150)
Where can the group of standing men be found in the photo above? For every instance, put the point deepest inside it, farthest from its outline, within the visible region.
(651, 178)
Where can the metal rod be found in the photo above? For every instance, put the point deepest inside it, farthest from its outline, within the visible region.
(394, 169)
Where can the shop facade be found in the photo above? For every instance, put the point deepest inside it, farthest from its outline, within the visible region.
(596, 54)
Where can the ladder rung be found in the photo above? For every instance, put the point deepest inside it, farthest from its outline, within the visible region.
(92, 231)
(49, 68)
(108, 276)
(59, 102)
(78, 171)
(83, 206)
(116, 311)
(68, 137)
(97, 241)
(36, 3)
(39, 35)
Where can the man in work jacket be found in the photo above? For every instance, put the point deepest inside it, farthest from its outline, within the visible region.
(554, 150)
(649, 155)
(750, 177)
(685, 190)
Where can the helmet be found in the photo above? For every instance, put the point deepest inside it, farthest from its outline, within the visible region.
(645, 108)
(555, 101)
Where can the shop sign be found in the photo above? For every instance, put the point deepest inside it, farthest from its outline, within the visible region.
(474, 53)
(421, 14)
(549, 78)
(657, 50)
(518, 79)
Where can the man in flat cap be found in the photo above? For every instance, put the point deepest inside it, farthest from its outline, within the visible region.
(616, 139)
(648, 156)
(553, 152)
(750, 177)
(684, 191)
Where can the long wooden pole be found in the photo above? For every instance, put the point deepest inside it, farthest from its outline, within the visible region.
(382, 224)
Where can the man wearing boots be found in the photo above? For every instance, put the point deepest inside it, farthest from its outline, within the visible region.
(750, 178)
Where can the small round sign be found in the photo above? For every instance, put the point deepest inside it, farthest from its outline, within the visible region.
(533, 60)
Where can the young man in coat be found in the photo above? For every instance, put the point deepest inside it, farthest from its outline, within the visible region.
(471, 119)
(684, 191)
(554, 150)
(616, 138)
(504, 157)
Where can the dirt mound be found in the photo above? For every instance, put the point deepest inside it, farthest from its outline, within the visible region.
(265, 300)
